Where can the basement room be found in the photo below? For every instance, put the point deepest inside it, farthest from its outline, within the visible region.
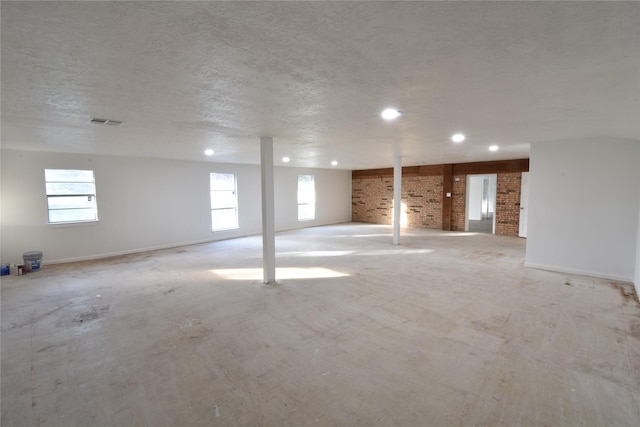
(343, 213)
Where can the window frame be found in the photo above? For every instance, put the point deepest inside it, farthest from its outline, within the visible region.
(235, 204)
(305, 203)
(52, 195)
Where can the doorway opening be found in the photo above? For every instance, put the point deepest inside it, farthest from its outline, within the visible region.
(480, 216)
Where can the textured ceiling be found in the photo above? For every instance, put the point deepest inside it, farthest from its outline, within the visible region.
(185, 76)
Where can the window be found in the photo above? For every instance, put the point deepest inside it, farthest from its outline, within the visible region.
(224, 201)
(71, 195)
(306, 198)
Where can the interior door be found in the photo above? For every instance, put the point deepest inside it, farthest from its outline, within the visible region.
(524, 204)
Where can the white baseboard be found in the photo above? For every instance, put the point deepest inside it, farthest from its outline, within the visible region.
(218, 236)
(139, 250)
(580, 272)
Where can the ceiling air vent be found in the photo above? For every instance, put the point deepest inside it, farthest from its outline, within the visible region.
(107, 122)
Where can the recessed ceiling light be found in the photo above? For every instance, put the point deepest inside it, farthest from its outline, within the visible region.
(286, 160)
(390, 114)
(208, 152)
(493, 148)
(458, 137)
(334, 163)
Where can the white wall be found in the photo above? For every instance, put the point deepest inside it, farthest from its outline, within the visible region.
(147, 203)
(637, 276)
(583, 207)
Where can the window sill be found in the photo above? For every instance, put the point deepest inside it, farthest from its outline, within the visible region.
(72, 224)
(223, 230)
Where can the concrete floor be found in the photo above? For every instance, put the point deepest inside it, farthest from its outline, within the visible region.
(448, 329)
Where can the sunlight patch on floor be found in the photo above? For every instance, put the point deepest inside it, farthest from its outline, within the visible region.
(315, 253)
(399, 251)
(284, 273)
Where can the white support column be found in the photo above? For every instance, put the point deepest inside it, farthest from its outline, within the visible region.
(397, 198)
(268, 211)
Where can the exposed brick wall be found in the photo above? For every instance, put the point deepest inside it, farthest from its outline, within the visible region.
(422, 196)
(372, 200)
(459, 196)
(508, 203)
